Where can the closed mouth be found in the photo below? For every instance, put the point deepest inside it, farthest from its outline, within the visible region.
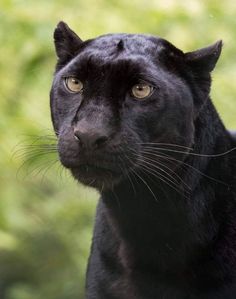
(96, 176)
(91, 171)
(89, 168)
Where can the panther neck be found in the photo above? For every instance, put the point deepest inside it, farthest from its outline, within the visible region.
(159, 225)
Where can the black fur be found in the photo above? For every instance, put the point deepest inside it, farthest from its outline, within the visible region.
(165, 166)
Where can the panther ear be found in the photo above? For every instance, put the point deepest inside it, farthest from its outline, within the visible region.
(66, 42)
(204, 60)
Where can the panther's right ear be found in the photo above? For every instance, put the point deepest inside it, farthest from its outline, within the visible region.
(66, 42)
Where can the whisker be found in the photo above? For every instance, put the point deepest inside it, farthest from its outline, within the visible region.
(34, 149)
(63, 171)
(166, 144)
(134, 171)
(35, 155)
(144, 162)
(39, 145)
(33, 146)
(165, 180)
(37, 140)
(32, 171)
(92, 181)
(126, 155)
(192, 154)
(174, 173)
(45, 170)
(126, 172)
(165, 166)
(174, 176)
(169, 158)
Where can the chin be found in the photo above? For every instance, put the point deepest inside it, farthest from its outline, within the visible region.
(100, 179)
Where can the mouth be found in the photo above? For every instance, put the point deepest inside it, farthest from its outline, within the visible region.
(96, 176)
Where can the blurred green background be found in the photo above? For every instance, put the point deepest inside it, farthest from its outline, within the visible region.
(46, 218)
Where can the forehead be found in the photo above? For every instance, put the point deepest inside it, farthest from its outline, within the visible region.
(128, 44)
(119, 51)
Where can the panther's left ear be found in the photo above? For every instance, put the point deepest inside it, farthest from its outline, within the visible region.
(66, 42)
(204, 60)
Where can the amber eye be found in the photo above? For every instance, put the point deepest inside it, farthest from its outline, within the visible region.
(141, 90)
(73, 84)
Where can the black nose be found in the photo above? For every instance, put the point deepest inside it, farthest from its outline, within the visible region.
(91, 138)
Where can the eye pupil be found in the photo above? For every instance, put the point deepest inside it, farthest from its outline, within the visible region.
(75, 81)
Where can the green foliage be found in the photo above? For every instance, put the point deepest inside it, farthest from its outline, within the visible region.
(45, 217)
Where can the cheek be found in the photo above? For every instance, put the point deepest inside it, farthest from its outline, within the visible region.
(171, 124)
(175, 127)
(64, 114)
(64, 107)
(142, 120)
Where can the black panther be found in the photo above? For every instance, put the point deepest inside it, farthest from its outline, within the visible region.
(134, 119)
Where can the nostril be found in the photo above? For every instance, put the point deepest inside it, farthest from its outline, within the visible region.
(76, 136)
(100, 141)
(90, 139)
